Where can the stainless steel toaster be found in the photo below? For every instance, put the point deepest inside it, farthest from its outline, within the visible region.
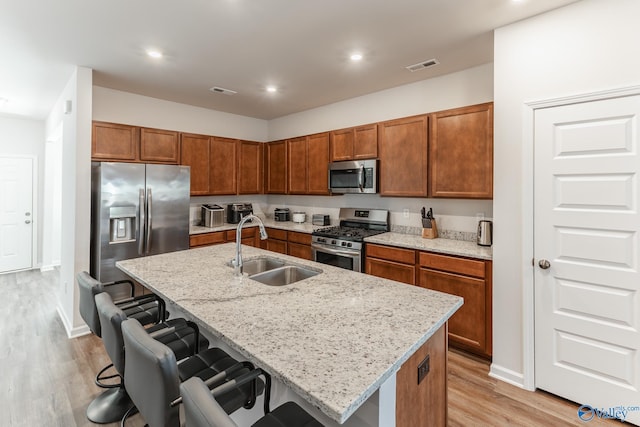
(320, 219)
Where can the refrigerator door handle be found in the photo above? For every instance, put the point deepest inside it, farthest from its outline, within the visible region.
(149, 219)
(141, 221)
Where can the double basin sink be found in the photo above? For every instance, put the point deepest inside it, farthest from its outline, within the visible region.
(275, 272)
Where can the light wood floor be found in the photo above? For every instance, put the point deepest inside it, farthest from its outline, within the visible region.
(47, 379)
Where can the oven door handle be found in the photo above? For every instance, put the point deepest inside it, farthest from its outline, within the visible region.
(335, 251)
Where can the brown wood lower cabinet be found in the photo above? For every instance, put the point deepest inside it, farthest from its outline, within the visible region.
(391, 263)
(248, 238)
(470, 327)
(277, 241)
(424, 403)
(299, 245)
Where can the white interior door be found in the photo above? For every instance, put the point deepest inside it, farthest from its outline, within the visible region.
(587, 225)
(16, 216)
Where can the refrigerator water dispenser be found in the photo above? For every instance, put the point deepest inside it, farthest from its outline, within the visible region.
(122, 224)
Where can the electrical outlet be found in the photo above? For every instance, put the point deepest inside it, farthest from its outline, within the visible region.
(405, 213)
(423, 369)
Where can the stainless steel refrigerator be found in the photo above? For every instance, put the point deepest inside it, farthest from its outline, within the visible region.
(136, 210)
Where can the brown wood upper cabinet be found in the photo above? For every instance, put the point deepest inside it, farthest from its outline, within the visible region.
(275, 159)
(250, 167)
(223, 163)
(308, 163)
(354, 143)
(123, 143)
(461, 153)
(195, 152)
(161, 146)
(403, 157)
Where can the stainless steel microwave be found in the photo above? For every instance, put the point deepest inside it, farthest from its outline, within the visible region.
(358, 176)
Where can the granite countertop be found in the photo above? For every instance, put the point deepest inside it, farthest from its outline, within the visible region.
(311, 334)
(444, 246)
(409, 241)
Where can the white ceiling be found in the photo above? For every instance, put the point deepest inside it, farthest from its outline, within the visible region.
(301, 46)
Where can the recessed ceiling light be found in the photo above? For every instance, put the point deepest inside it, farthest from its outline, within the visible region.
(356, 56)
(272, 89)
(154, 53)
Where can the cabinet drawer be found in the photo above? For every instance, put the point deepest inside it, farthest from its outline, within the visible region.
(207, 239)
(277, 234)
(391, 270)
(405, 256)
(246, 233)
(468, 267)
(275, 246)
(302, 238)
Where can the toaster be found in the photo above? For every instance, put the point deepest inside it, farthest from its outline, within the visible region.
(320, 219)
(236, 211)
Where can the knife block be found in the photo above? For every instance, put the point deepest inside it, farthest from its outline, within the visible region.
(430, 233)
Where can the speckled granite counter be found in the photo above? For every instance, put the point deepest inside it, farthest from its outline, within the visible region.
(445, 246)
(311, 334)
(305, 227)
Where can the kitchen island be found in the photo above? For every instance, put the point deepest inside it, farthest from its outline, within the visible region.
(336, 341)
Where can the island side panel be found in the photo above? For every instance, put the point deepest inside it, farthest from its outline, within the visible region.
(424, 404)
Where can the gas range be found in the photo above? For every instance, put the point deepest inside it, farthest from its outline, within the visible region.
(342, 245)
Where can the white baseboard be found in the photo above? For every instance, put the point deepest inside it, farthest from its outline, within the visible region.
(507, 375)
(71, 332)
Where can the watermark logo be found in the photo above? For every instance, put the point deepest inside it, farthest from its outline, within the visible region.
(587, 412)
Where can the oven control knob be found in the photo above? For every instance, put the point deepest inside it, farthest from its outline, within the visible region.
(348, 245)
(321, 240)
(344, 243)
(333, 242)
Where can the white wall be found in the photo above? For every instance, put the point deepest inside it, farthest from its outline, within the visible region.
(585, 47)
(25, 138)
(76, 197)
(122, 107)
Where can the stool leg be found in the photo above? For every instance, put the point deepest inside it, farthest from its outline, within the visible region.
(109, 406)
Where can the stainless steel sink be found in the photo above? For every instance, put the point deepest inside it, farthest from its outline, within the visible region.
(258, 265)
(283, 275)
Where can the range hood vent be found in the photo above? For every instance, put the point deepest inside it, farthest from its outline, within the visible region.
(222, 90)
(422, 65)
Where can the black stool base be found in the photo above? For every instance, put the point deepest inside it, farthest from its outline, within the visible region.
(110, 406)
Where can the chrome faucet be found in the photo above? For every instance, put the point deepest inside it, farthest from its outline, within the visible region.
(237, 262)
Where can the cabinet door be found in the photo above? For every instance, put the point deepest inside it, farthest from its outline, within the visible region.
(276, 167)
(250, 177)
(161, 146)
(403, 157)
(297, 165)
(392, 270)
(110, 141)
(194, 152)
(300, 251)
(365, 145)
(461, 153)
(223, 165)
(342, 144)
(318, 164)
(467, 326)
(276, 246)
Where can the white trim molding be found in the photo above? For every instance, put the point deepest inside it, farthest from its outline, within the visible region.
(507, 375)
(71, 332)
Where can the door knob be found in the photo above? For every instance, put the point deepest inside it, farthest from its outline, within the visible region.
(26, 221)
(544, 264)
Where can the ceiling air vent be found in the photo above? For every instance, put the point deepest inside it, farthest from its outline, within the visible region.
(422, 65)
(222, 90)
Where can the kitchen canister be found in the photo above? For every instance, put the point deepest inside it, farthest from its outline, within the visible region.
(299, 217)
(485, 233)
